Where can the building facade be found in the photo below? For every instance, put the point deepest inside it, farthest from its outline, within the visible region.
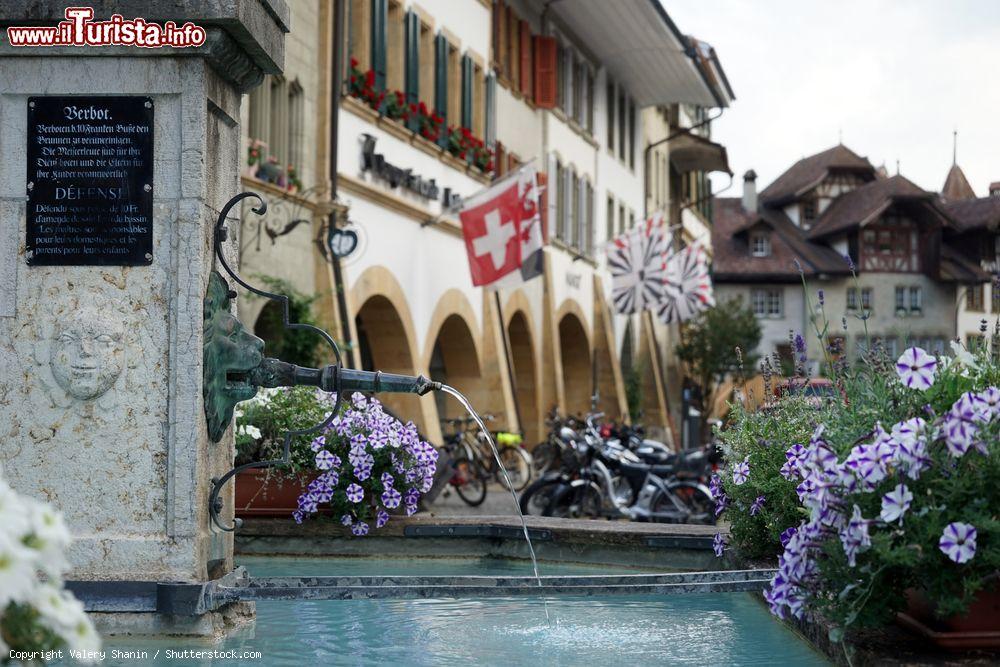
(439, 99)
(884, 261)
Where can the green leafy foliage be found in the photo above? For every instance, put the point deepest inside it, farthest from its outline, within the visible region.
(292, 345)
(261, 424)
(904, 554)
(710, 341)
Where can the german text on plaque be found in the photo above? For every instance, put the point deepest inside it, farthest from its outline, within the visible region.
(90, 181)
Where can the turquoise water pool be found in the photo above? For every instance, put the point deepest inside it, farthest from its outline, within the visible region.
(710, 629)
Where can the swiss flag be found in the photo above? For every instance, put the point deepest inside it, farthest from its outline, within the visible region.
(503, 231)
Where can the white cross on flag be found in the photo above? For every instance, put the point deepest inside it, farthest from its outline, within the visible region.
(503, 231)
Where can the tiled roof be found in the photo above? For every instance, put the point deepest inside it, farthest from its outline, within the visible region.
(982, 213)
(809, 171)
(956, 185)
(957, 268)
(865, 203)
(732, 261)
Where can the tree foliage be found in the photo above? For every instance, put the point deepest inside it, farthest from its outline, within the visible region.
(709, 345)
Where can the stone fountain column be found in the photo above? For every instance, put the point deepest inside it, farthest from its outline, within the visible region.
(104, 263)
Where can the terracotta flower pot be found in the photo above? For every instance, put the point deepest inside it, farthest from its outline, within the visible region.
(259, 494)
(978, 628)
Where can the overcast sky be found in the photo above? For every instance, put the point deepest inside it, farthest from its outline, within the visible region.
(892, 77)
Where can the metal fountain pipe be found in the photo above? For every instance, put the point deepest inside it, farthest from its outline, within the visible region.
(335, 378)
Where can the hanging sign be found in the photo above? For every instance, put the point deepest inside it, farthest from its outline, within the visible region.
(341, 242)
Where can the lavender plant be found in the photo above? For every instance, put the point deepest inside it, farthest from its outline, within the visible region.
(889, 485)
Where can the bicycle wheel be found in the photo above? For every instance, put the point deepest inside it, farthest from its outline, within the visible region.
(518, 468)
(696, 506)
(544, 456)
(469, 482)
(536, 497)
(580, 501)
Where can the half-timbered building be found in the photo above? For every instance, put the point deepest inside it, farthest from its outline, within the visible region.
(876, 252)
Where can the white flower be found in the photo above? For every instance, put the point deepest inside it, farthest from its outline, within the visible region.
(17, 570)
(895, 503)
(60, 611)
(49, 537)
(916, 368)
(83, 637)
(963, 356)
(14, 519)
(250, 430)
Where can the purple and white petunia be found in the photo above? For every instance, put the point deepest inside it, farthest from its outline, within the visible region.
(895, 503)
(991, 400)
(959, 434)
(958, 541)
(347, 519)
(391, 498)
(387, 479)
(324, 460)
(719, 545)
(355, 493)
(381, 518)
(854, 536)
(916, 368)
(363, 471)
(757, 505)
(360, 528)
(741, 472)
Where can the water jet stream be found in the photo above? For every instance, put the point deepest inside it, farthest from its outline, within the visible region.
(510, 487)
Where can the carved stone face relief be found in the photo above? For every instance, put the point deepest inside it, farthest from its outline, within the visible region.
(87, 352)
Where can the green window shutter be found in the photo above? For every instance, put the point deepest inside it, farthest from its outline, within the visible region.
(412, 34)
(491, 103)
(380, 12)
(467, 92)
(441, 85)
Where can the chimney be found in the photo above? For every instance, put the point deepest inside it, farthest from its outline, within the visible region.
(995, 189)
(750, 191)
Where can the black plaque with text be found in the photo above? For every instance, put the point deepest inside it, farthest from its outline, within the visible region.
(90, 181)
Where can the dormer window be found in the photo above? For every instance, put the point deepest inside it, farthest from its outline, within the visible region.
(808, 213)
(760, 245)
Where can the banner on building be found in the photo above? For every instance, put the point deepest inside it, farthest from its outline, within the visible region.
(503, 231)
(638, 262)
(687, 285)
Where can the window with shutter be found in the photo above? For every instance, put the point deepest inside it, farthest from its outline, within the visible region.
(545, 71)
(380, 11)
(411, 31)
(611, 116)
(466, 91)
(526, 65)
(610, 221)
(441, 84)
(497, 55)
(560, 197)
(572, 207)
(543, 180)
(491, 111)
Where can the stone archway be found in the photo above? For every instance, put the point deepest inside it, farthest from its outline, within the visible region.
(577, 369)
(454, 361)
(386, 341)
(522, 349)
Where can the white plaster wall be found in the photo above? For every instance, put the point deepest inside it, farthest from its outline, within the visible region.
(426, 261)
(519, 127)
(774, 331)
(469, 20)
